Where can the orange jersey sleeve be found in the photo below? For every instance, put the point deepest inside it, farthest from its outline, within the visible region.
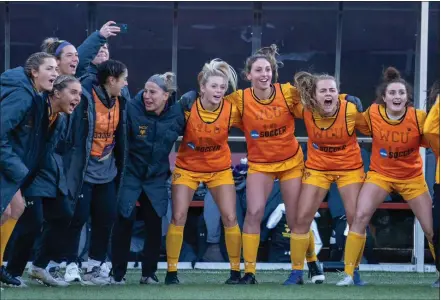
(236, 98)
(431, 128)
(292, 97)
(363, 122)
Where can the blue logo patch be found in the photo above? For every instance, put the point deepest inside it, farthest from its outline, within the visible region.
(254, 134)
(191, 145)
(315, 146)
(383, 152)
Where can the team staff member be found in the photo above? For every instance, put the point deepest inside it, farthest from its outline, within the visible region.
(431, 134)
(396, 165)
(154, 124)
(24, 129)
(204, 156)
(333, 156)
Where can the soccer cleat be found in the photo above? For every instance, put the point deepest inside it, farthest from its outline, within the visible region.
(357, 279)
(248, 278)
(346, 281)
(51, 278)
(22, 282)
(234, 277)
(7, 279)
(72, 273)
(315, 272)
(94, 277)
(149, 280)
(295, 278)
(171, 278)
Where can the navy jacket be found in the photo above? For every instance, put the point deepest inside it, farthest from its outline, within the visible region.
(51, 180)
(151, 138)
(78, 143)
(24, 128)
(88, 50)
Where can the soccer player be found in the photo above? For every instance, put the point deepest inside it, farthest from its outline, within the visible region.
(333, 156)
(397, 134)
(431, 134)
(204, 156)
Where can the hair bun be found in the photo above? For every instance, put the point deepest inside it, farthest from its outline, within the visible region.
(391, 74)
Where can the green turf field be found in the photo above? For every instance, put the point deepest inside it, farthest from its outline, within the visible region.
(205, 284)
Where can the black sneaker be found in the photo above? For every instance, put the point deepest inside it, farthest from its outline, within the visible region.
(248, 278)
(171, 278)
(8, 279)
(316, 273)
(234, 277)
(152, 279)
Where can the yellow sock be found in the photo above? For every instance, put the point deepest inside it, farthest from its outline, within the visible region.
(173, 243)
(233, 241)
(432, 250)
(354, 243)
(250, 242)
(360, 255)
(299, 243)
(310, 252)
(5, 233)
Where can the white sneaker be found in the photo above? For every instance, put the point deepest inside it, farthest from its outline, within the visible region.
(104, 270)
(95, 277)
(113, 281)
(46, 278)
(346, 281)
(72, 273)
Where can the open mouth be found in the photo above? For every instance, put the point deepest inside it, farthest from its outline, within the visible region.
(217, 98)
(73, 66)
(396, 103)
(265, 80)
(328, 102)
(72, 106)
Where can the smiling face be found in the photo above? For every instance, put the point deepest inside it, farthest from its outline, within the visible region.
(260, 74)
(214, 90)
(326, 94)
(68, 61)
(69, 97)
(154, 97)
(395, 97)
(117, 84)
(45, 76)
(102, 55)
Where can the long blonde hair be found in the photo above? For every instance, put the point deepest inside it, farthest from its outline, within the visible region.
(218, 67)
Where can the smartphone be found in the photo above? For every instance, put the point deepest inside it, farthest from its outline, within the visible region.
(123, 27)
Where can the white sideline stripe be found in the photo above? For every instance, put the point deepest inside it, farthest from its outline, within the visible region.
(276, 266)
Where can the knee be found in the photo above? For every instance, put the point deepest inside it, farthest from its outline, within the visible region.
(229, 220)
(302, 223)
(361, 219)
(179, 218)
(254, 215)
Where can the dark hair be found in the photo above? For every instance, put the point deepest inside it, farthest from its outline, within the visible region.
(35, 61)
(433, 94)
(110, 68)
(392, 75)
(268, 53)
(306, 84)
(62, 82)
(51, 44)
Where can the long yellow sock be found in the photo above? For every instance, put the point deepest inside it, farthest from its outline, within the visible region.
(432, 250)
(310, 252)
(5, 233)
(354, 243)
(299, 243)
(173, 243)
(233, 241)
(360, 255)
(250, 242)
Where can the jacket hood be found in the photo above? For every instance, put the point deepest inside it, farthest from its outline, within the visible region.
(15, 79)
